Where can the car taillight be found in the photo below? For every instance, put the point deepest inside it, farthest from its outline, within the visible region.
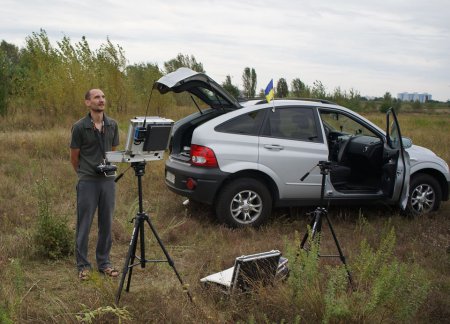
(203, 156)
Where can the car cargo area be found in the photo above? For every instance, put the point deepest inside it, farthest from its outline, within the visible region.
(180, 144)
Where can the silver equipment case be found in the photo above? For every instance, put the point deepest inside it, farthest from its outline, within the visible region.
(150, 146)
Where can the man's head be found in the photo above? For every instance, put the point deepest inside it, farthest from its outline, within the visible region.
(95, 100)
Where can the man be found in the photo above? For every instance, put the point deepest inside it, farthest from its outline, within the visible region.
(92, 136)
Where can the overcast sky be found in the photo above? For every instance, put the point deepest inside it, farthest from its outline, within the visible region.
(370, 46)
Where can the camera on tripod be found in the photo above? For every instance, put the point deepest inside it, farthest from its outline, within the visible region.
(147, 139)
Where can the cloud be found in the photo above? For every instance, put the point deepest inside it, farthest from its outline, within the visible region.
(374, 47)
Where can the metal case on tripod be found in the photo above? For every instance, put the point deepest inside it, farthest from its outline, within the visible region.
(147, 139)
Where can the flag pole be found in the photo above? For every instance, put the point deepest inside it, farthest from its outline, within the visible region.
(273, 99)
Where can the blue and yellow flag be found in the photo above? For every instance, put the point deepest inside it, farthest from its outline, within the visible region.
(269, 92)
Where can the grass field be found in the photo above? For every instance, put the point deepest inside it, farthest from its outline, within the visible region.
(36, 178)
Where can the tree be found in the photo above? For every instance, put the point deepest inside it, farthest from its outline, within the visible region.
(54, 79)
(230, 88)
(9, 59)
(183, 61)
(387, 102)
(11, 51)
(318, 90)
(297, 88)
(111, 67)
(282, 88)
(44, 79)
(262, 93)
(140, 79)
(249, 81)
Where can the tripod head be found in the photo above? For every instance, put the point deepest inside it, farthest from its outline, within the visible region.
(325, 168)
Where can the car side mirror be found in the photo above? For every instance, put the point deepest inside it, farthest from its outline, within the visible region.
(407, 142)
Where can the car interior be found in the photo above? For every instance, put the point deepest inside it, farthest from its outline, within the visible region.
(357, 153)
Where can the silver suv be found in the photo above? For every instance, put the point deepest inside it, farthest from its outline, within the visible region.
(245, 158)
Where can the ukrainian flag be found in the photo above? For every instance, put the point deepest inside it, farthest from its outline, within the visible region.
(269, 92)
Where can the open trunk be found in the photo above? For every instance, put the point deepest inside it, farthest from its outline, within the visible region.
(202, 87)
(180, 144)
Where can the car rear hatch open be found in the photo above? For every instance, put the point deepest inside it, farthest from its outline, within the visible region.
(198, 84)
(207, 90)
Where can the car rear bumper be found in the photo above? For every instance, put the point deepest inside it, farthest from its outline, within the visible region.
(207, 181)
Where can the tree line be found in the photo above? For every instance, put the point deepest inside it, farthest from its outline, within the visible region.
(48, 79)
(51, 79)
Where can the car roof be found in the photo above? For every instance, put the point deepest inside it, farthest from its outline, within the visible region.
(296, 102)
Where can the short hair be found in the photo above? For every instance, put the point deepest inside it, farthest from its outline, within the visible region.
(87, 95)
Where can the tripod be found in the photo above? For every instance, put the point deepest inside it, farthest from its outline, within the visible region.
(141, 217)
(321, 211)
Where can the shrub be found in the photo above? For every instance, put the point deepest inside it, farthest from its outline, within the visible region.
(53, 237)
(305, 278)
(386, 288)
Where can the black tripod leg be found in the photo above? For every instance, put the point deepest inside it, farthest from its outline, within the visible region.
(169, 259)
(142, 239)
(128, 260)
(316, 226)
(138, 233)
(305, 237)
(341, 255)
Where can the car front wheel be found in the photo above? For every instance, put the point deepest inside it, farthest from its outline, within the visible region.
(424, 195)
(244, 202)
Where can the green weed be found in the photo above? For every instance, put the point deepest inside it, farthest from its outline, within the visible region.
(386, 288)
(11, 290)
(4, 316)
(53, 237)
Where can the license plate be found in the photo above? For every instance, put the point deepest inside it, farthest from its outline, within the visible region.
(170, 177)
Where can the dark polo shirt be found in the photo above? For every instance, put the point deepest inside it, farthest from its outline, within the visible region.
(84, 137)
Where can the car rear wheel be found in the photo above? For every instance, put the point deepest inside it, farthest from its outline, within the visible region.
(244, 202)
(424, 195)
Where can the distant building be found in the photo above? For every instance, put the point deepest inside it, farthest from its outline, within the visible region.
(421, 97)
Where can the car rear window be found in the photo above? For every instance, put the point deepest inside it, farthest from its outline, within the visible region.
(247, 124)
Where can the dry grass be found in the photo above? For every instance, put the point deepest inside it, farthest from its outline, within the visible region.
(41, 291)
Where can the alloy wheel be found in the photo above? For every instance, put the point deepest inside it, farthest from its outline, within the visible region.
(246, 206)
(422, 198)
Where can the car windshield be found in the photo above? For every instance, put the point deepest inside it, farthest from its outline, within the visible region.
(339, 123)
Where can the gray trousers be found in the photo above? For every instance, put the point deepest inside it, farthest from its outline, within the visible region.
(92, 194)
